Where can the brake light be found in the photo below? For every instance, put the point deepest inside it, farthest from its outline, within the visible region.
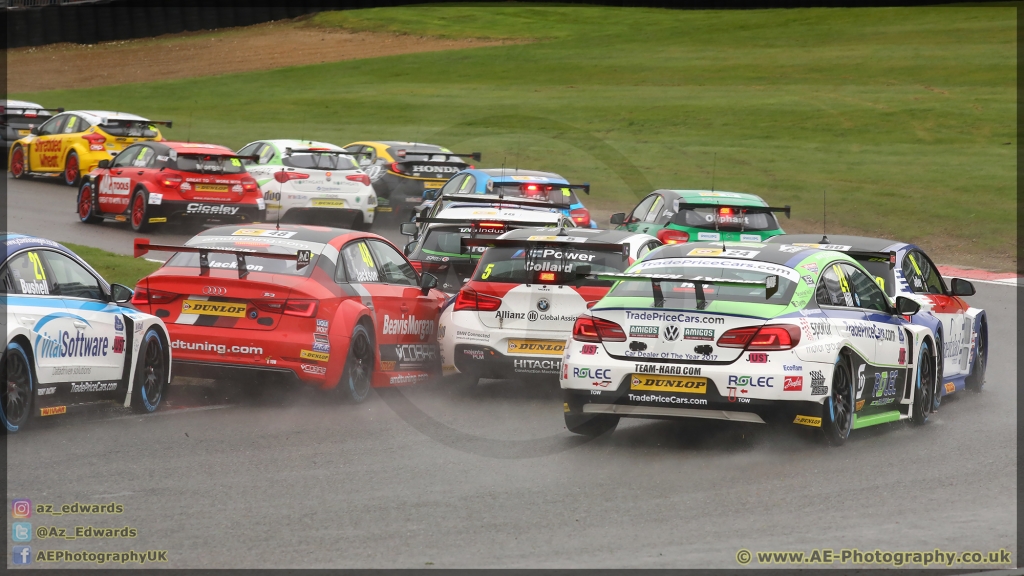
(147, 296)
(471, 167)
(546, 277)
(359, 178)
(171, 180)
(581, 216)
(669, 236)
(491, 225)
(250, 185)
(283, 176)
(473, 300)
(417, 265)
(590, 329)
(95, 141)
(725, 211)
(777, 337)
(394, 167)
(293, 307)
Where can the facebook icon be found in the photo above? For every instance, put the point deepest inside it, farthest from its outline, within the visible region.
(21, 555)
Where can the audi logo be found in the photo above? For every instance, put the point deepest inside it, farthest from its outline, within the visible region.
(215, 290)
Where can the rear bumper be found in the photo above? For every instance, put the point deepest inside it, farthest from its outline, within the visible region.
(334, 217)
(238, 373)
(486, 362)
(176, 210)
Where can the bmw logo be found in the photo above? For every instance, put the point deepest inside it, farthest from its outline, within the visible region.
(543, 305)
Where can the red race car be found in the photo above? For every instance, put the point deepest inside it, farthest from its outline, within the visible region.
(333, 308)
(156, 182)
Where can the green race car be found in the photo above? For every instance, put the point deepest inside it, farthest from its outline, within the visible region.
(680, 216)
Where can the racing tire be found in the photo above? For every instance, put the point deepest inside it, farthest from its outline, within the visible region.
(17, 166)
(72, 174)
(357, 378)
(975, 381)
(837, 416)
(924, 384)
(86, 205)
(137, 216)
(592, 425)
(150, 386)
(17, 397)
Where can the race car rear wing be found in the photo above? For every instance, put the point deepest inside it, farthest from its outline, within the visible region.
(741, 209)
(488, 199)
(770, 284)
(112, 121)
(402, 153)
(290, 151)
(27, 112)
(878, 256)
(585, 187)
(559, 241)
(302, 257)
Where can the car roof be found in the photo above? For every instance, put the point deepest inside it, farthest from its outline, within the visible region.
(501, 214)
(16, 242)
(515, 174)
(591, 234)
(710, 197)
(286, 143)
(303, 233)
(412, 145)
(857, 243)
(20, 104)
(774, 253)
(197, 148)
(97, 116)
(503, 200)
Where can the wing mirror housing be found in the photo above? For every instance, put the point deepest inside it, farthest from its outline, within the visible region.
(962, 287)
(34, 131)
(427, 281)
(409, 228)
(409, 247)
(906, 307)
(121, 294)
(618, 218)
(104, 163)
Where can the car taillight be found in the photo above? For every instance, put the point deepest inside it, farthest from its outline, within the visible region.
(581, 216)
(491, 227)
(250, 185)
(171, 180)
(777, 337)
(95, 141)
(473, 300)
(359, 178)
(147, 296)
(293, 306)
(669, 236)
(395, 168)
(590, 329)
(545, 277)
(283, 176)
(417, 265)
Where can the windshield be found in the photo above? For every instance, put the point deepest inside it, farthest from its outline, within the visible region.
(881, 273)
(519, 265)
(130, 128)
(253, 246)
(208, 164)
(729, 218)
(320, 161)
(683, 294)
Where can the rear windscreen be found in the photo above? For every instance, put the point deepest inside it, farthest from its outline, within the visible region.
(130, 128)
(253, 262)
(684, 295)
(208, 164)
(728, 219)
(446, 241)
(878, 268)
(537, 193)
(314, 161)
(521, 265)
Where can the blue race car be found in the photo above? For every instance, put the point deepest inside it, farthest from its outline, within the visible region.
(516, 184)
(902, 269)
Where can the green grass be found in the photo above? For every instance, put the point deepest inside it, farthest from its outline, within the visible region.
(906, 116)
(115, 268)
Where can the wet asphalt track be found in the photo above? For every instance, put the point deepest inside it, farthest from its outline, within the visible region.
(226, 476)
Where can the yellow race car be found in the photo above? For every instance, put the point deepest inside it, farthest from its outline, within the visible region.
(73, 143)
(402, 171)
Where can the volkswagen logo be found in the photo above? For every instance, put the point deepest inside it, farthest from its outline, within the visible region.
(543, 305)
(215, 290)
(671, 333)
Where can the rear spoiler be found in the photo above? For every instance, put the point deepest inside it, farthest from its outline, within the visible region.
(290, 151)
(302, 257)
(401, 153)
(742, 209)
(770, 284)
(6, 111)
(250, 157)
(476, 223)
(891, 256)
(481, 199)
(107, 121)
(559, 241)
(585, 187)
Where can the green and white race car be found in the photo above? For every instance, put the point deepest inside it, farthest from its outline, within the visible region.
(748, 332)
(307, 182)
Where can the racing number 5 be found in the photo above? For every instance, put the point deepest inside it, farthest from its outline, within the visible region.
(487, 272)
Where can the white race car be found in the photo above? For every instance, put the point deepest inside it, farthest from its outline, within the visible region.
(749, 333)
(513, 317)
(72, 339)
(306, 182)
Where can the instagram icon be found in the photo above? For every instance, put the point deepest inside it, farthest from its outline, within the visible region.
(21, 508)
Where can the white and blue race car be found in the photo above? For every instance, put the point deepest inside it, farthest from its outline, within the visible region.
(72, 338)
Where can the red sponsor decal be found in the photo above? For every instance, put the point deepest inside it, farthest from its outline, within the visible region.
(118, 345)
(47, 146)
(48, 161)
(793, 384)
(903, 356)
(589, 349)
(757, 358)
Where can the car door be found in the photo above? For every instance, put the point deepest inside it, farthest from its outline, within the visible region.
(930, 291)
(72, 128)
(416, 323)
(115, 187)
(44, 153)
(887, 372)
(835, 300)
(98, 342)
(33, 305)
(636, 218)
(384, 301)
(649, 224)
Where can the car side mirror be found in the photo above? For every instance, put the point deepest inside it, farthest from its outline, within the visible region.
(425, 212)
(906, 307)
(120, 294)
(427, 281)
(409, 228)
(962, 287)
(409, 248)
(34, 131)
(104, 164)
(618, 218)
